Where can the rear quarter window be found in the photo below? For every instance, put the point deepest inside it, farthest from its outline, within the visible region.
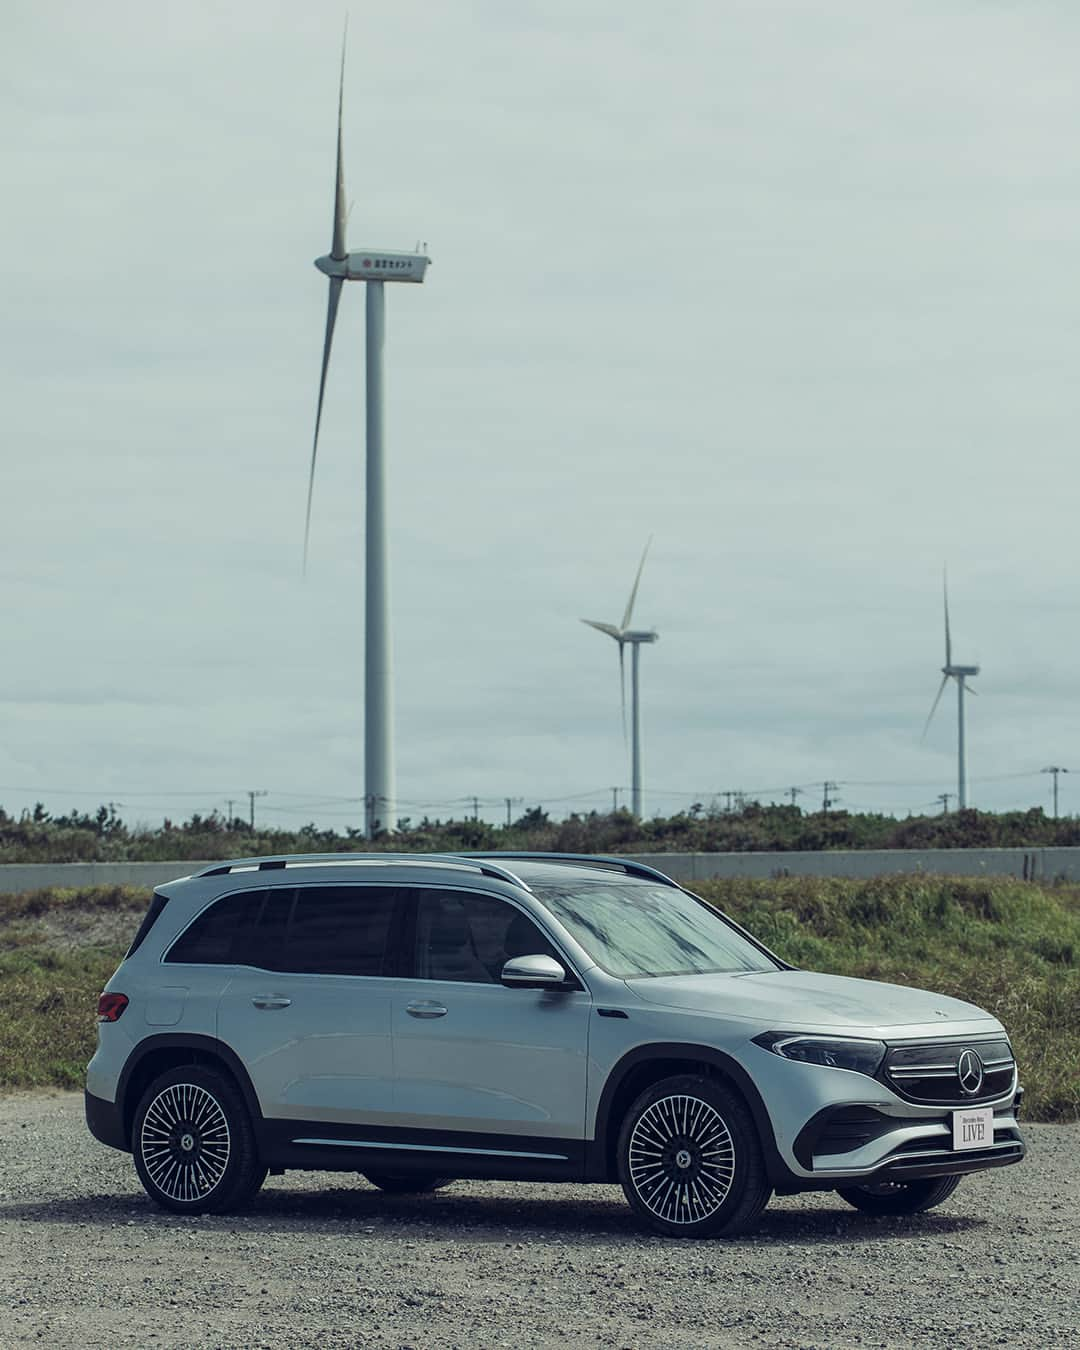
(153, 913)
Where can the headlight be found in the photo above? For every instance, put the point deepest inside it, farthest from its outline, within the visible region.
(834, 1052)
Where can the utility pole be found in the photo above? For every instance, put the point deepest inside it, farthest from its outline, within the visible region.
(614, 800)
(794, 792)
(1055, 769)
(944, 800)
(230, 803)
(476, 808)
(729, 796)
(511, 801)
(251, 802)
(826, 799)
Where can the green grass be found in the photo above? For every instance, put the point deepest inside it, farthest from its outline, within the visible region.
(1011, 947)
(51, 975)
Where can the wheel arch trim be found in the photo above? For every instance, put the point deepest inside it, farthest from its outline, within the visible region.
(205, 1045)
(601, 1147)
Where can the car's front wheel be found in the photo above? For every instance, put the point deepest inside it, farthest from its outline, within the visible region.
(690, 1161)
(193, 1143)
(899, 1197)
(406, 1183)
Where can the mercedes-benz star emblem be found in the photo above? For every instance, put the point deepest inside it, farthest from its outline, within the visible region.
(969, 1070)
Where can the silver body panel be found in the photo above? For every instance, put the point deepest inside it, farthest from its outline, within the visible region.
(503, 1061)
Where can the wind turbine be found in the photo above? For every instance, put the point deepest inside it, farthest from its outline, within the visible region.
(624, 634)
(375, 267)
(960, 674)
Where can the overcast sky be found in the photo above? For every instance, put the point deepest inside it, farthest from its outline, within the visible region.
(790, 286)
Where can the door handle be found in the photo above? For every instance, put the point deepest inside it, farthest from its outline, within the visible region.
(271, 1001)
(425, 1008)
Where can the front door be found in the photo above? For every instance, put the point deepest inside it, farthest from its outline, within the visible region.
(472, 1056)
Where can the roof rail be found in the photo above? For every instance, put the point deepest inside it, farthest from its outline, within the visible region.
(279, 861)
(603, 861)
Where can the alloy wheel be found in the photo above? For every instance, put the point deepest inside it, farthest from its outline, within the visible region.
(185, 1142)
(681, 1159)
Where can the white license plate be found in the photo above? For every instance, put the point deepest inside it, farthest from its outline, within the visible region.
(973, 1129)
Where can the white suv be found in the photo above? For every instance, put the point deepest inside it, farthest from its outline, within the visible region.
(422, 1018)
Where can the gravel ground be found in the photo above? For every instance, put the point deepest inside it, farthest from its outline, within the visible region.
(322, 1260)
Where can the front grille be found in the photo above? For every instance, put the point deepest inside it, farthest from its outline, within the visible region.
(930, 1071)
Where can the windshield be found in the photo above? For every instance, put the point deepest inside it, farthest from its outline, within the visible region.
(633, 929)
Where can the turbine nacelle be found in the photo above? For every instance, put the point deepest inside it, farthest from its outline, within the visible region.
(639, 635)
(959, 672)
(375, 265)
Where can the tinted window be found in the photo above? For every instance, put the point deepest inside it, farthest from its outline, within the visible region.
(632, 928)
(332, 930)
(261, 943)
(462, 936)
(210, 939)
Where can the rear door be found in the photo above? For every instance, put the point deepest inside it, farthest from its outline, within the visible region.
(308, 1006)
(472, 1055)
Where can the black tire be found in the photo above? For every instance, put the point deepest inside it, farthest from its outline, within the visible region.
(690, 1160)
(900, 1197)
(406, 1183)
(193, 1143)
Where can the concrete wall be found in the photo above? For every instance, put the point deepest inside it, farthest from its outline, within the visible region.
(1049, 864)
(1030, 864)
(16, 877)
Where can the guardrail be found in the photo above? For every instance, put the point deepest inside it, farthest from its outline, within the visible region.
(1035, 864)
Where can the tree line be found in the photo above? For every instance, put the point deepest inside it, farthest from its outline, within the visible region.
(103, 836)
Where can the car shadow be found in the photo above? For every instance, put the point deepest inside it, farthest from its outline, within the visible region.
(360, 1212)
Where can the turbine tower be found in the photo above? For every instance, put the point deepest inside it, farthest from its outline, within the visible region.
(960, 674)
(624, 634)
(375, 267)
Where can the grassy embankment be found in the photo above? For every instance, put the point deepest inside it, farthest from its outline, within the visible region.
(1011, 947)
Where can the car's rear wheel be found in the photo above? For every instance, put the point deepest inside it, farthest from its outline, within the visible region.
(193, 1143)
(690, 1161)
(899, 1197)
(406, 1183)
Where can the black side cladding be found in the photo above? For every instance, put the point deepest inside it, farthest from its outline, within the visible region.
(153, 913)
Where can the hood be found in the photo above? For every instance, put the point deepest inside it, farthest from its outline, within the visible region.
(803, 999)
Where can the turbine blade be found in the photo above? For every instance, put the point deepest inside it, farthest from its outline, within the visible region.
(337, 245)
(608, 628)
(937, 700)
(336, 284)
(968, 689)
(633, 593)
(948, 636)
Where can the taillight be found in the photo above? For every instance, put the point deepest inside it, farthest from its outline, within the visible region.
(111, 1006)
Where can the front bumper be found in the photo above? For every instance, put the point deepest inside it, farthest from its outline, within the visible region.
(946, 1163)
(105, 1122)
(848, 1142)
(835, 1126)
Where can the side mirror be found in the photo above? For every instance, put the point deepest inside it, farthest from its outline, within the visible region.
(533, 972)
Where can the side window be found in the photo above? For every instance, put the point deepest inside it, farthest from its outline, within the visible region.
(211, 939)
(261, 942)
(336, 930)
(469, 937)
